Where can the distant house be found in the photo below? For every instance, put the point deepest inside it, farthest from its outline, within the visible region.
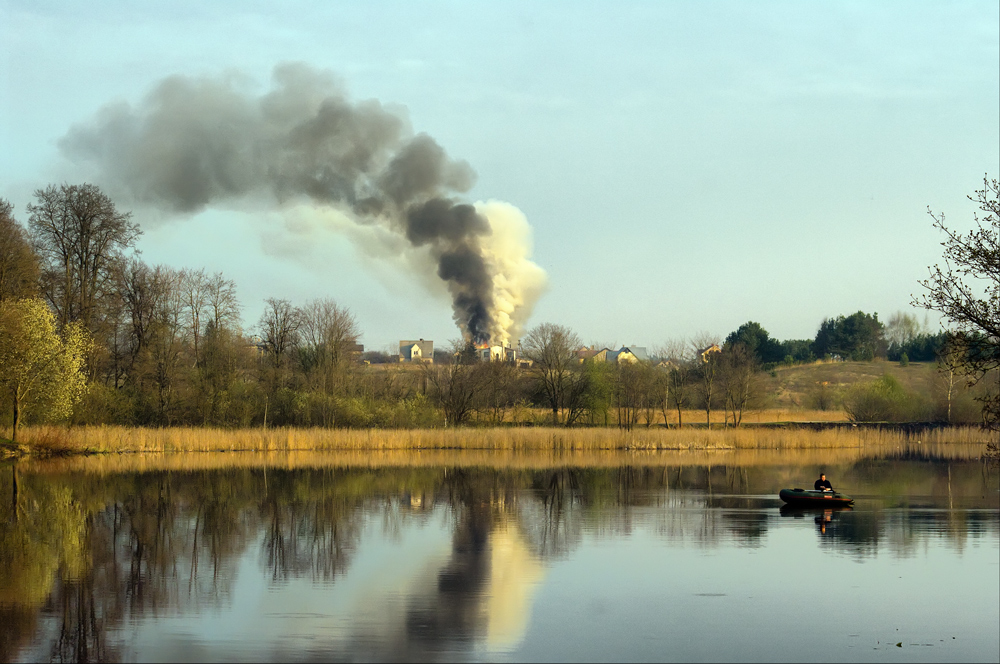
(602, 355)
(256, 345)
(629, 354)
(585, 353)
(419, 350)
(620, 356)
(633, 354)
(705, 352)
(488, 353)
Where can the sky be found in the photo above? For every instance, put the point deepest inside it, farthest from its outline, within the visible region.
(685, 166)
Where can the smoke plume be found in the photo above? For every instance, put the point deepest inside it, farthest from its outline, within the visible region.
(194, 143)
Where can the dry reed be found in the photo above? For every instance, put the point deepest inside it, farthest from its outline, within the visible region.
(113, 439)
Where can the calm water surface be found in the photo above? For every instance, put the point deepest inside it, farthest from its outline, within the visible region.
(621, 562)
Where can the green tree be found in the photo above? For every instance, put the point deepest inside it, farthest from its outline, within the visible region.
(858, 337)
(41, 373)
(757, 342)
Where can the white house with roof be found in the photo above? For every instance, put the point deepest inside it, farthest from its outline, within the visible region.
(416, 350)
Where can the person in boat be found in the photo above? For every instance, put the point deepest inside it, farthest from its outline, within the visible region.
(823, 484)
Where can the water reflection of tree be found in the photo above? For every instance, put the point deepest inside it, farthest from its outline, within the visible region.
(84, 552)
(312, 537)
(552, 523)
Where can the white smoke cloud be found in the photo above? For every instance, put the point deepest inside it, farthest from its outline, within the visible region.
(518, 282)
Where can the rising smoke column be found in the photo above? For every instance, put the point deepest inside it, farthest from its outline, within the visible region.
(193, 143)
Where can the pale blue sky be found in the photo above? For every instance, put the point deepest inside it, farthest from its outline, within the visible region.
(686, 166)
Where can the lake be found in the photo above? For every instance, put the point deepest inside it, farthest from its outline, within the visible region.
(608, 557)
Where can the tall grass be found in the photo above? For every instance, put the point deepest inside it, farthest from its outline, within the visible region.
(115, 439)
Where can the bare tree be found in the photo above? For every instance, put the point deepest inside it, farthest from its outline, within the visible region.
(738, 369)
(901, 329)
(552, 351)
(654, 392)
(707, 372)
(678, 366)
(950, 366)
(223, 305)
(19, 264)
(167, 346)
(455, 387)
(194, 292)
(79, 233)
(328, 335)
(139, 289)
(279, 329)
(499, 390)
(967, 291)
(328, 331)
(628, 389)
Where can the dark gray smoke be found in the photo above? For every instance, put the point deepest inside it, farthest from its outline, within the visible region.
(197, 142)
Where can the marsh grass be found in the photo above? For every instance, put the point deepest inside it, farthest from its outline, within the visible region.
(112, 439)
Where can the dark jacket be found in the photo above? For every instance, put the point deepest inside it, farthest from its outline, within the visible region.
(823, 484)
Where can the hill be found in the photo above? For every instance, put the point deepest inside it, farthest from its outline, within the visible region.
(821, 385)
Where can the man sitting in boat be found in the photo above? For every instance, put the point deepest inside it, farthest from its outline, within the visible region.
(823, 484)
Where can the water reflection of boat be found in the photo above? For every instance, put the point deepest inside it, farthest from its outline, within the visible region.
(799, 511)
(823, 515)
(814, 498)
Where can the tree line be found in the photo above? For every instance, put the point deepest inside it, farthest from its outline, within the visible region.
(90, 331)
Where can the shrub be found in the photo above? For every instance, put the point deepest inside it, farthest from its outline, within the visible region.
(884, 400)
(822, 397)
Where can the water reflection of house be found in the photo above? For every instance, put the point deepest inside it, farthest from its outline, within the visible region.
(419, 350)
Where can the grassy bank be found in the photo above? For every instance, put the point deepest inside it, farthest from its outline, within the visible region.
(112, 440)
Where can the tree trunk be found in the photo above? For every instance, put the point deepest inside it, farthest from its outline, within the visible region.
(13, 498)
(17, 418)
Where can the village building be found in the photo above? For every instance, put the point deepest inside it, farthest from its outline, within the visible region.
(419, 350)
(705, 352)
(627, 354)
(488, 353)
(620, 356)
